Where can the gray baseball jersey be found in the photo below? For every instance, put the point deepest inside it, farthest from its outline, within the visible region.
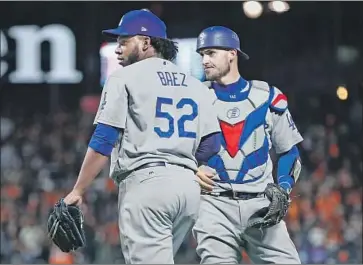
(164, 113)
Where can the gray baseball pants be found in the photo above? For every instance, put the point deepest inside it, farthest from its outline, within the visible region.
(158, 206)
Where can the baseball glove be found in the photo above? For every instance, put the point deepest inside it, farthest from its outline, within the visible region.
(65, 226)
(275, 212)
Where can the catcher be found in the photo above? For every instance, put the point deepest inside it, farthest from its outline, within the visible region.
(243, 206)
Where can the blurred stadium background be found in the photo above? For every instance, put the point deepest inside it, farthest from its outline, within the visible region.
(54, 61)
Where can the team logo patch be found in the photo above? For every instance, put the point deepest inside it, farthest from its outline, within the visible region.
(290, 121)
(104, 101)
(233, 113)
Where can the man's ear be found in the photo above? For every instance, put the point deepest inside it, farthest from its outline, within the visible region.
(146, 43)
(232, 55)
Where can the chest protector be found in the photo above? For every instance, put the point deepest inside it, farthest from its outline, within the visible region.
(244, 155)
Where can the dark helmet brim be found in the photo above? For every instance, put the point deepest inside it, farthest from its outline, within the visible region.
(243, 55)
(114, 33)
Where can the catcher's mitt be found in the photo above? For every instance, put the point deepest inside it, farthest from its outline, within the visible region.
(275, 212)
(65, 226)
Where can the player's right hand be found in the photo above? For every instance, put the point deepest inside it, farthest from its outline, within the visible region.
(205, 180)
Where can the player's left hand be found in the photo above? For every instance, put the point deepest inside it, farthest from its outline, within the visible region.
(65, 226)
(275, 212)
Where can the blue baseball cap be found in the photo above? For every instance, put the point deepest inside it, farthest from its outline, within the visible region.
(139, 22)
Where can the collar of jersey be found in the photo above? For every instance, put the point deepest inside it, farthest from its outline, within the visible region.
(236, 91)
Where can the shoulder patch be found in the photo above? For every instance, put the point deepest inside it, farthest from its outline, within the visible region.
(279, 101)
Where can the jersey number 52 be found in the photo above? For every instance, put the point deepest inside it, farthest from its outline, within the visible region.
(181, 121)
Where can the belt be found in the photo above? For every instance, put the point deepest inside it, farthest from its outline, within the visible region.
(157, 164)
(236, 195)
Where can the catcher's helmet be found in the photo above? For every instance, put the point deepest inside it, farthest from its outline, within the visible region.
(219, 37)
(139, 22)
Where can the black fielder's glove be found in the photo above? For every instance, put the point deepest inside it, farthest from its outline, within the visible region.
(65, 226)
(275, 212)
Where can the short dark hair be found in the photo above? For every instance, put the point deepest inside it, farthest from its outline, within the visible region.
(168, 49)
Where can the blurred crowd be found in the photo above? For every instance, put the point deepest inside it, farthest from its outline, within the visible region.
(41, 156)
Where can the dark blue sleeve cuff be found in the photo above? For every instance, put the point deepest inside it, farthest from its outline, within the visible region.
(209, 146)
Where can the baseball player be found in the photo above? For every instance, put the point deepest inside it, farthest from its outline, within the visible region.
(241, 205)
(156, 123)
